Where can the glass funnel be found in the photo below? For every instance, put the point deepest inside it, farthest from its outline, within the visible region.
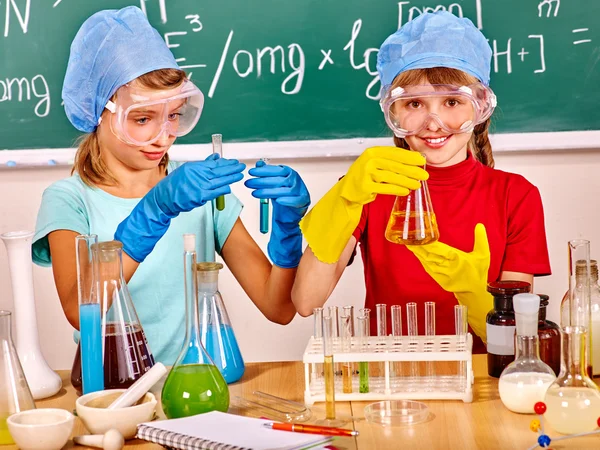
(15, 395)
(194, 384)
(573, 400)
(524, 381)
(580, 274)
(216, 331)
(127, 355)
(412, 220)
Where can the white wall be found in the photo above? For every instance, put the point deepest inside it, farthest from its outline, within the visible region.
(568, 181)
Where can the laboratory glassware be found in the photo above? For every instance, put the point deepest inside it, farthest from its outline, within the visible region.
(549, 337)
(42, 380)
(328, 367)
(429, 331)
(264, 209)
(217, 143)
(194, 385)
(216, 331)
(573, 400)
(15, 395)
(346, 340)
(524, 381)
(412, 220)
(412, 331)
(363, 366)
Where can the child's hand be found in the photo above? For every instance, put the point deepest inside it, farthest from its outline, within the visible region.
(463, 274)
(291, 199)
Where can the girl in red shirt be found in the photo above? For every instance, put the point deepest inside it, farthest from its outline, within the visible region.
(436, 98)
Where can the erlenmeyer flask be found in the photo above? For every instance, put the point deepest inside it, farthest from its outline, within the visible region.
(412, 220)
(127, 355)
(15, 395)
(215, 328)
(573, 400)
(194, 384)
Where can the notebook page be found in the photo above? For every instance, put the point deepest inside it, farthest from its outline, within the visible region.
(238, 430)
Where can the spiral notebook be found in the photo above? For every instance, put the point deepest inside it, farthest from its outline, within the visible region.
(221, 431)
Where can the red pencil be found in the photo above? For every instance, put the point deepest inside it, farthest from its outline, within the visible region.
(312, 429)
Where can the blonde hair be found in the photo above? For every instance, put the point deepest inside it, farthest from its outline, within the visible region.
(479, 145)
(88, 160)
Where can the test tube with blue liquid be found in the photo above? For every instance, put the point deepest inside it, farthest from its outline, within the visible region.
(217, 143)
(264, 209)
(90, 317)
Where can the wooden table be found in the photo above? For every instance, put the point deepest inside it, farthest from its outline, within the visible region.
(483, 424)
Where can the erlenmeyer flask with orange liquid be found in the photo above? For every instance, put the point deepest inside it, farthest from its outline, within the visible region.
(412, 221)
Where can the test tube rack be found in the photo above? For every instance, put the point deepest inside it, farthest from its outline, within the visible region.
(391, 386)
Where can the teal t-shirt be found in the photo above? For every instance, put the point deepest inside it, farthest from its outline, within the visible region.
(157, 286)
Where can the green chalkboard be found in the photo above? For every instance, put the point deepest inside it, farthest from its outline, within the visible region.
(263, 69)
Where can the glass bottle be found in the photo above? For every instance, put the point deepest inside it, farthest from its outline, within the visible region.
(594, 339)
(127, 355)
(573, 400)
(15, 395)
(576, 307)
(412, 220)
(194, 384)
(549, 337)
(500, 324)
(216, 331)
(524, 381)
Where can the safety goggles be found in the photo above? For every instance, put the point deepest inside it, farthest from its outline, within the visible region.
(141, 116)
(409, 110)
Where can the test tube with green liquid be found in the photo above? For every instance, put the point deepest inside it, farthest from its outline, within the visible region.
(217, 143)
(264, 210)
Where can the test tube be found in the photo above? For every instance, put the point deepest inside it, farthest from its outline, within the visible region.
(349, 310)
(363, 367)
(90, 317)
(430, 331)
(461, 325)
(381, 332)
(366, 312)
(397, 332)
(412, 330)
(328, 367)
(264, 210)
(317, 369)
(217, 143)
(346, 336)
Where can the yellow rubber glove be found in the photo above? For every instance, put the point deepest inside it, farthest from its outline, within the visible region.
(378, 170)
(463, 274)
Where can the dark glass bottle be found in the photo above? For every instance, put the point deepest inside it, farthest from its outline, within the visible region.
(549, 337)
(501, 325)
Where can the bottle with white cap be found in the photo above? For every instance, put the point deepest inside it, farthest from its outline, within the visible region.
(524, 382)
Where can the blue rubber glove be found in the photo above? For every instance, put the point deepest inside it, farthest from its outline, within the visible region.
(189, 186)
(290, 200)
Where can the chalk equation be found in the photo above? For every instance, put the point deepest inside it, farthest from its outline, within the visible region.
(291, 61)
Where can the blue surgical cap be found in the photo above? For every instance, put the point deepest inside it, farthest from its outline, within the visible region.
(438, 39)
(112, 48)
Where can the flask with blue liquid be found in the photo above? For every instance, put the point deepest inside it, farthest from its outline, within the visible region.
(216, 331)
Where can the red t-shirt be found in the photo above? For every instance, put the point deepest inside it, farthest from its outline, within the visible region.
(462, 195)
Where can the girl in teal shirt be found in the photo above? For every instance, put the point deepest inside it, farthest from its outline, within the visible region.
(124, 88)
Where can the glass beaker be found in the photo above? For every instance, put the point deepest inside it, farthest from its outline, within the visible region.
(524, 381)
(412, 220)
(194, 384)
(127, 355)
(580, 273)
(216, 331)
(576, 307)
(573, 400)
(15, 394)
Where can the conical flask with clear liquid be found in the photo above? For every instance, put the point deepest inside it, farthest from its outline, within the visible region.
(412, 221)
(194, 384)
(127, 355)
(573, 400)
(216, 331)
(524, 381)
(15, 395)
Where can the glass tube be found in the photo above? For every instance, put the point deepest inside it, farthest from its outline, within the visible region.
(363, 347)
(366, 312)
(430, 331)
(349, 310)
(264, 209)
(461, 327)
(412, 330)
(335, 333)
(328, 368)
(317, 368)
(381, 309)
(397, 333)
(346, 336)
(217, 143)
